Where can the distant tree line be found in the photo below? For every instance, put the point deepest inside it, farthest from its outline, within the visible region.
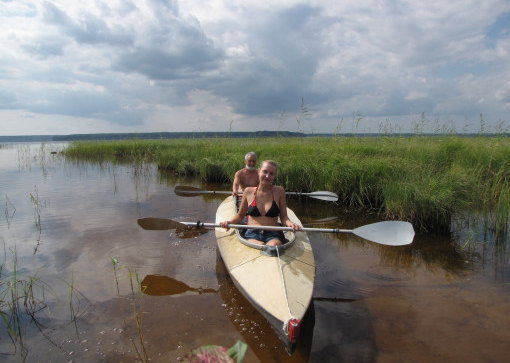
(205, 135)
(148, 136)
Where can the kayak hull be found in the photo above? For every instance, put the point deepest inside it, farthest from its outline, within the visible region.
(280, 287)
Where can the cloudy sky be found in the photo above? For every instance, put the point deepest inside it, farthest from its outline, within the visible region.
(90, 66)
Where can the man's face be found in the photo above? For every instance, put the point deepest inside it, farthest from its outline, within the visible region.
(250, 162)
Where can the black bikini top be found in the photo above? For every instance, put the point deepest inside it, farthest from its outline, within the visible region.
(253, 210)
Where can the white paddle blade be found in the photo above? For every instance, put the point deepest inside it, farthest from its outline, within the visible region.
(327, 196)
(391, 233)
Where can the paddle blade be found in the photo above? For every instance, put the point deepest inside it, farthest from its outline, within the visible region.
(391, 233)
(324, 195)
(186, 191)
(163, 224)
(158, 224)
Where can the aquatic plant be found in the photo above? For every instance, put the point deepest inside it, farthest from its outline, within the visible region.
(137, 304)
(22, 299)
(424, 180)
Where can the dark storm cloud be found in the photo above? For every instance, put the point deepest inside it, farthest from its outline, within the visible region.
(89, 28)
(284, 52)
(168, 61)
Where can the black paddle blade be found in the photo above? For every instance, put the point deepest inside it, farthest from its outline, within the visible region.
(158, 224)
(163, 224)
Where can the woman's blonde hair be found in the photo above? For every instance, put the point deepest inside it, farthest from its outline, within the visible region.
(270, 162)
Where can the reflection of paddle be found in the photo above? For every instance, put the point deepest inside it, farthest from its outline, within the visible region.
(158, 285)
(320, 221)
(332, 299)
(186, 191)
(391, 233)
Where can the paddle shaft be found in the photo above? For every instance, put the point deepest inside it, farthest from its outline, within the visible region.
(192, 191)
(390, 233)
(318, 194)
(269, 228)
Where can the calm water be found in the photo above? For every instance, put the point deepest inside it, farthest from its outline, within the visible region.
(63, 222)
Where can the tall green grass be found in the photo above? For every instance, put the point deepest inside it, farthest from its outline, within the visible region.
(423, 179)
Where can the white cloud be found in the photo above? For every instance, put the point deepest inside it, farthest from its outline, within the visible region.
(220, 65)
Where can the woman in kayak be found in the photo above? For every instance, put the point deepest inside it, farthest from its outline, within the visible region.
(264, 204)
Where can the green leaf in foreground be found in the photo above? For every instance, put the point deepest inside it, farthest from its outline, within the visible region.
(217, 354)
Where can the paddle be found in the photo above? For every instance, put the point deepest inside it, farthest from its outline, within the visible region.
(186, 191)
(390, 233)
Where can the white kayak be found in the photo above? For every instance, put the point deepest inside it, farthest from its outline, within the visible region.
(277, 282)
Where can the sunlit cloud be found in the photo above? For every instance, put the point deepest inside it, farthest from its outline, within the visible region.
(232, 65)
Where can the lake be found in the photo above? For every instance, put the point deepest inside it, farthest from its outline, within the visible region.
(65, 223)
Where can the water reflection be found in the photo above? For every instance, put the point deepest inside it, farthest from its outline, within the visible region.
(373, 302)
(158, 285)
(255, 330)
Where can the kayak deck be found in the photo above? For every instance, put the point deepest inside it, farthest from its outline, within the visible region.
(280, 287)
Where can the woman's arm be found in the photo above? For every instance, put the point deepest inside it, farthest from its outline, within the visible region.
(243, 208)
(282, 202)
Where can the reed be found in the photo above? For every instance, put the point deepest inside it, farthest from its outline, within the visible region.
(122, 272)
(21, 299)
(425, 180)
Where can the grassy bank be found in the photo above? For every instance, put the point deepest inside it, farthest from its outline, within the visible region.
(425, 180)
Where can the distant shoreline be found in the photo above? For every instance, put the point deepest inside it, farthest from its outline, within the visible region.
(206, 135)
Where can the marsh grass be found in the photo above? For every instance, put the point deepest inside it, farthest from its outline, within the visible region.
(21, 299)
(9, 211)
(78, 303)
(38, 205)
(122, 272)
(425, 180)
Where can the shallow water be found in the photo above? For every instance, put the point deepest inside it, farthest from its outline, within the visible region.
(63, 222)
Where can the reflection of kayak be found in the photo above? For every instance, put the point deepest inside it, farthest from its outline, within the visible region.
(280, 287)
(255, 330)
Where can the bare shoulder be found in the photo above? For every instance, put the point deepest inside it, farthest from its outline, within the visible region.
(279, 190)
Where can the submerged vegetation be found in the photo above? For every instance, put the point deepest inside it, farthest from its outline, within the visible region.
(421, 179)
(25, 297)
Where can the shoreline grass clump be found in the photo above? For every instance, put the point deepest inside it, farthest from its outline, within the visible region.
(422, 179)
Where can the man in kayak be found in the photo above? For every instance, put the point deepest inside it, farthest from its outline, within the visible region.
(264, 204)
(248, 176)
